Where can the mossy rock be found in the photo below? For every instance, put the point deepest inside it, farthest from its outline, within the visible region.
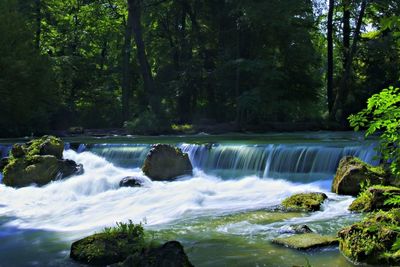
(46, 145)
(306, 241)
(304, 202)
(18, 151)
(353, 172)
(38, 162)
(38, 170)
(372, 240)
(165, 162)
(374, 198)
(104, 248)
(171, 254)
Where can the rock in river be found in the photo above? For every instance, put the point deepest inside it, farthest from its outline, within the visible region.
(165, 162)
(304, 201)
(306, 241)
(375, 240)
(171, 254)
(131, 181)
(352, 173)
(374, 198)
(38, 162)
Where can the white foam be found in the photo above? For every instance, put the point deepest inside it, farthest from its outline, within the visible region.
(94, 199)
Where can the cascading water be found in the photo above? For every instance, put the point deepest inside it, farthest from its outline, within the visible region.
(293, 162)
(225, 207)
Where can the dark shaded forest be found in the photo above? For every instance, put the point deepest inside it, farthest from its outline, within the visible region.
(149, 65)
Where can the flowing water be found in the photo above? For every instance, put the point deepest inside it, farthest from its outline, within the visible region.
(224, 215)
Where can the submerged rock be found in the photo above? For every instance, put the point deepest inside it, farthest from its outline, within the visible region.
(352, 173)
(296, 229)
(38, 162)
(131, 181)
(165, 162)
(171, 254)
(304, 201)
(306, 241)
(373, 240)
(374, 199)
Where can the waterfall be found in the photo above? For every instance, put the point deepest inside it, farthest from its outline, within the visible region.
(311, 161)
(305, 162)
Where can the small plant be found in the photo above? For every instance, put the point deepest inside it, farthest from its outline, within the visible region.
(131, 230)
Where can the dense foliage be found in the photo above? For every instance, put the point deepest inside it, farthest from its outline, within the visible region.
(382, 115)
(148, 64)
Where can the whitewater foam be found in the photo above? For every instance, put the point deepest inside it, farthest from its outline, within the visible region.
(94, 200)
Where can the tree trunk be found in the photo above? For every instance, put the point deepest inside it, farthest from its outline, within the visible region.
(329, 74)
(343, 90)
(126, 69)
(134, 9)
(346, 32)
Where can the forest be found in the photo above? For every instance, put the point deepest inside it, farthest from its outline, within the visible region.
(147, 65)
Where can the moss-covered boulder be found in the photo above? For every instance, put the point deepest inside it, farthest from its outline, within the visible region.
(304, 202)
(171, 254)
(38, 170)
(38, 162)
(306, 241)
(165, 162)
(375, 240)
(113, 245)
(353, 172)
(374, 199)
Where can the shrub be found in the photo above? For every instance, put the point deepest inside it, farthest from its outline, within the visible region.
(382, 115)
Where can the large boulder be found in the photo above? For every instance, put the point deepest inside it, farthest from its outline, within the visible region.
(304, 202)
(306, 241)
(374, 199)
(171, 254)
(375, 240)
(352, 173)
(165, 162)
(37, 162)
(38, 170)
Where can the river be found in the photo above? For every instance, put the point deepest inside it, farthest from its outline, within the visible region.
(224, 215)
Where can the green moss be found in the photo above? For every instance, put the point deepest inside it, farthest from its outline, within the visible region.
(306, 241)
(375, 198)
(12, 163)
(373, 239)
(304, 201)
(109, 246)
(379, 170)
(36, 146)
